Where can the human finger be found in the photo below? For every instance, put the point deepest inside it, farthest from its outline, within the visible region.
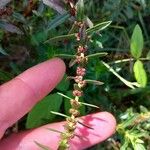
(19, 95)
(103, 125)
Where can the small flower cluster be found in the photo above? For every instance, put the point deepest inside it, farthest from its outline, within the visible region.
(81, 60)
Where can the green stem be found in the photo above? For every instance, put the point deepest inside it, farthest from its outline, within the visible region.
(128, 60)
(132, 85)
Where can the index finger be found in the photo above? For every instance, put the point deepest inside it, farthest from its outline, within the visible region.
(19, 95)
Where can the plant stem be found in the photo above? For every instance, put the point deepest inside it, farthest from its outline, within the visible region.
(81, 60)
(127, 60)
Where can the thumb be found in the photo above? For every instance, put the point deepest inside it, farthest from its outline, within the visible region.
(103, 125)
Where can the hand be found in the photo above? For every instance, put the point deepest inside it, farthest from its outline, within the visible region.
(19, 95)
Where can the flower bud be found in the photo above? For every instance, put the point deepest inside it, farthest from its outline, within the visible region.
(80, 71)
(77, 93)
(82, 49)
(74, 112)
(75, 104)
(78, 79)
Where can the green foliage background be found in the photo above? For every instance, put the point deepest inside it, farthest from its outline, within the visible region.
(30, 35)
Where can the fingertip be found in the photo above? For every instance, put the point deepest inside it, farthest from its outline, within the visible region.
(59, 61)
(43, 77)
(103, 125)
(110, 119)
(19, 95)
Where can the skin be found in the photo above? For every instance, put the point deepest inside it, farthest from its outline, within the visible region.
(18, 96)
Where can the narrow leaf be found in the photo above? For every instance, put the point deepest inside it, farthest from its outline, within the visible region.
(80, 10)
(94, 82)
(65, 56)
(89, 22)
(10, 27)
(87, 104)
(98, 27)
(129, 84)
(97, 55)
(136, 45)
(55, 4)
(140, 73)
(57, 21)
(59, 114)
(72, 30)
(60, 38)
(64, 95)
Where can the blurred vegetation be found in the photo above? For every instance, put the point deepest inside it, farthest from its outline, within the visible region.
(31, 31)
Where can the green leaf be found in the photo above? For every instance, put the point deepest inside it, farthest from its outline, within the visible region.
(57, 21)
(98, 27)
(95, 82)
(66, 56)
(137, 42)
(97, 55)
(64, 84)
(140, 73)
(55, 4)
(89, 22)
(82, 103)
(59, 114)
(129, 121)
(40, 114)
(139, 147)
(60, 38)
(80, 10)
(124, 146)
